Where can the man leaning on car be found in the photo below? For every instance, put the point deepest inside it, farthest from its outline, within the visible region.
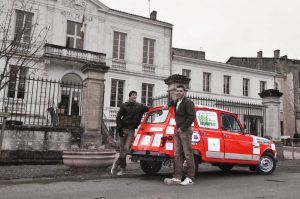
(184, 116)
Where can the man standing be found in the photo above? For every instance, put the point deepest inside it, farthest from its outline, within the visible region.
(184, 116)
(128, 119)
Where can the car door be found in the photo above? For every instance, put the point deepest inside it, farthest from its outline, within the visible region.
(238, 146)
(210, 134)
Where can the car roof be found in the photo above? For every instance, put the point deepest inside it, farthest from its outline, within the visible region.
(198, 106)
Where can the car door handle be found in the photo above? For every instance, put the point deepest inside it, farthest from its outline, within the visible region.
(226, 136)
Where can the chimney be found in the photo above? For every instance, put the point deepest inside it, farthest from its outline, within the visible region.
(153, 15)
(259, 54)
(276, 53)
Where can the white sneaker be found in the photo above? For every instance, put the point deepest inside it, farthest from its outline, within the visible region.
(114, 168)
(170, 181)
(121, 172)
(187, 181)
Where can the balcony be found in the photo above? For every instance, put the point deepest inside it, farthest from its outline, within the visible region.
(148, 68)
(73, 54)
(118, 64)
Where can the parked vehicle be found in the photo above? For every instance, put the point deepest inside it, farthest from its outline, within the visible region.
(218, 138)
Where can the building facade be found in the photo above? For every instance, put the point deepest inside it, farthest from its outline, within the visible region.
(287, 81)
(79, 32)
(228, 82)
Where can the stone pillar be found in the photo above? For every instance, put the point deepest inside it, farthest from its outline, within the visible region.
(93, 98)
(173, 81)
(271, 100)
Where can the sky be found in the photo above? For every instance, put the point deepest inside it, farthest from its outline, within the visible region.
(225, 28)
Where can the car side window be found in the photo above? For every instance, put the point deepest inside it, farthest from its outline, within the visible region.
(229, 123)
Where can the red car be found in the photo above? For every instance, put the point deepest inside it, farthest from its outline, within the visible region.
(218, 138)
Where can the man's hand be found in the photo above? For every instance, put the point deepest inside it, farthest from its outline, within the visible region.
(179, 130)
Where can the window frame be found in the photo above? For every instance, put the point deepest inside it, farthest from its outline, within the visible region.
(226, 84)
(116, 101)
(148, 52)
(76, 36)
(246, 87)
(17, 82)
(240, 130)
(147, 100)
(119, 51)
(206, 81)
(262, 86)
(23, 26)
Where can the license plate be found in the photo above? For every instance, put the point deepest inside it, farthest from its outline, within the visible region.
(146, 140)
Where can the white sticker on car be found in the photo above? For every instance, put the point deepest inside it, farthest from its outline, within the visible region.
(169, 146)
(207, 119)
(172, 121)
(213, 144)
(159, 129)
(256, 151)
(136, 140)
(170, 130)
(157, 140)
(146, 140)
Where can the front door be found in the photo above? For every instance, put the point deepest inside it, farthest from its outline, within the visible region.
(238, 146)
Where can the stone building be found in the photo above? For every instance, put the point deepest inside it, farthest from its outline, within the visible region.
(222, 81)
(286, 80)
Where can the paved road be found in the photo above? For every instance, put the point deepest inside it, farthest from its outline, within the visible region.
(210, 183)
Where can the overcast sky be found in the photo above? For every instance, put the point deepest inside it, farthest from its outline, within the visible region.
(224, 28)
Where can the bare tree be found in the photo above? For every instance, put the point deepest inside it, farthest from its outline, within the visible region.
(22, 39)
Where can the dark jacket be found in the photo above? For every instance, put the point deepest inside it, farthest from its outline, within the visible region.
(130, 114)
(185, 114)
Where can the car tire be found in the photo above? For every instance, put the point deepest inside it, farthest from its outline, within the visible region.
(225, 167)
(150, 167)
(267, 164)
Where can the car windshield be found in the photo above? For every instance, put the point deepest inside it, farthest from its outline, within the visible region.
(157, 116)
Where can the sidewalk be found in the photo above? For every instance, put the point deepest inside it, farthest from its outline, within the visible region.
(61, 171)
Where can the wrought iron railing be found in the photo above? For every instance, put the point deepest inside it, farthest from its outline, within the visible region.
(41, 102)
(252, 115)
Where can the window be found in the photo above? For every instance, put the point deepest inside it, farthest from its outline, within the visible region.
(117, 92)
(206, 82)
(147, 94)
(245, 87)
(17, 80)
(262, 86)
(23, 26)
(158, 116)
(229, 123)
(148, 51)
(119, 45)
(226, 86)
(74, 39)
(186, 72)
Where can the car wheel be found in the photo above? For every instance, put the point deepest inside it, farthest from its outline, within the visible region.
(225, 167)
(150, 167)
(267, 164)
(253, 167)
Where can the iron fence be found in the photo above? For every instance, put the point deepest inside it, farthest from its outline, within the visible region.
(41, 102)
(252, 115)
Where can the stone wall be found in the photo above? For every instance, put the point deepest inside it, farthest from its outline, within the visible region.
(37, 145)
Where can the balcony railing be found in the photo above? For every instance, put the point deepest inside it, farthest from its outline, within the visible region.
(147, 68)
(118, 64)
(74, 54)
